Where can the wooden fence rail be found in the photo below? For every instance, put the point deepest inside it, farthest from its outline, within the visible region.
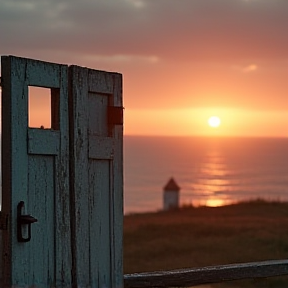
(206, 275)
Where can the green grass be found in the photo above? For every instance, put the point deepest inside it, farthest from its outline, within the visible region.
(204, 236)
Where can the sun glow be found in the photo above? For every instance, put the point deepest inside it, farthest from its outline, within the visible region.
(215, 202)
(214, 121)
(193, 122)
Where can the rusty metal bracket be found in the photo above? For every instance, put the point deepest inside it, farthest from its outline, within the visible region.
(115, 115)
(3, 221)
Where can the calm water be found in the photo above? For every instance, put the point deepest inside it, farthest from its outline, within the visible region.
(210, 171)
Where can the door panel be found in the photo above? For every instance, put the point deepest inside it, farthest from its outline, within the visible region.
(70, 177)
(100, 209)
(97, 164)
(41, 196)
(35, 170)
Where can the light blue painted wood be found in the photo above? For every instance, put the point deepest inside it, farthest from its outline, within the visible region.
(43, 141)
(36, 171)
(79, 171)
(39, 178)
(41, 172)
(101, 147)
(100, 231)
(117, 189)
(97, 165)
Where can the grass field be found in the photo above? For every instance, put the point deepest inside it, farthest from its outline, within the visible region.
(204, 236)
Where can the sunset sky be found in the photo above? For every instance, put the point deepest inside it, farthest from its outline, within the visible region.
(182, 60)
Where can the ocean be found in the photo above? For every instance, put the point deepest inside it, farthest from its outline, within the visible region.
(210, 171)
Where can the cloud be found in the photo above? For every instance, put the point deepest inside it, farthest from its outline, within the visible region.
(180, 51)
(250, 68)
(246, 69)
(186, 30)
(121, 58)
(136, 3)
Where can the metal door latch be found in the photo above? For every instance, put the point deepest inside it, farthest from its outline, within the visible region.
(23, 220)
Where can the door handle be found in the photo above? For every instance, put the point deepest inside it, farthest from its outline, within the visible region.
(23, 220)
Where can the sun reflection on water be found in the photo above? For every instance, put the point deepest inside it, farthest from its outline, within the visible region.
(212, 185)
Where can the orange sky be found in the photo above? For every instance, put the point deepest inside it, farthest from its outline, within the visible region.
(182, 61)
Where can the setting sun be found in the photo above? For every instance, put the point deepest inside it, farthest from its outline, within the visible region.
(214, 121)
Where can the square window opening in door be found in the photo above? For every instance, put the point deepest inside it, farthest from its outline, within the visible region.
(43, 107)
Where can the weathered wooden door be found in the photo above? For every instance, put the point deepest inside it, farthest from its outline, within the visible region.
(35, 178)
(97, 169)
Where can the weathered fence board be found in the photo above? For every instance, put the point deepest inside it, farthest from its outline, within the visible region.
(35, 170)
(206, 275)
(96, 160)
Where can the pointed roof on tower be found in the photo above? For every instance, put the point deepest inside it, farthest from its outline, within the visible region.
(171, 185)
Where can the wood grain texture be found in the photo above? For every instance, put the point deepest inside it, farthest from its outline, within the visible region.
(84, 250)
(117, 195)
(40, 179)
(101, 147)
(206, 275)
(79, 179)
(40, 200)
(43, 141)
(97, 168)
(62, 188)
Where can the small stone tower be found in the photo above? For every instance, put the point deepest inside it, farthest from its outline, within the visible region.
(171, 195)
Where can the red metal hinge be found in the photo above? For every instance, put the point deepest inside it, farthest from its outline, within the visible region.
(115, 115)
